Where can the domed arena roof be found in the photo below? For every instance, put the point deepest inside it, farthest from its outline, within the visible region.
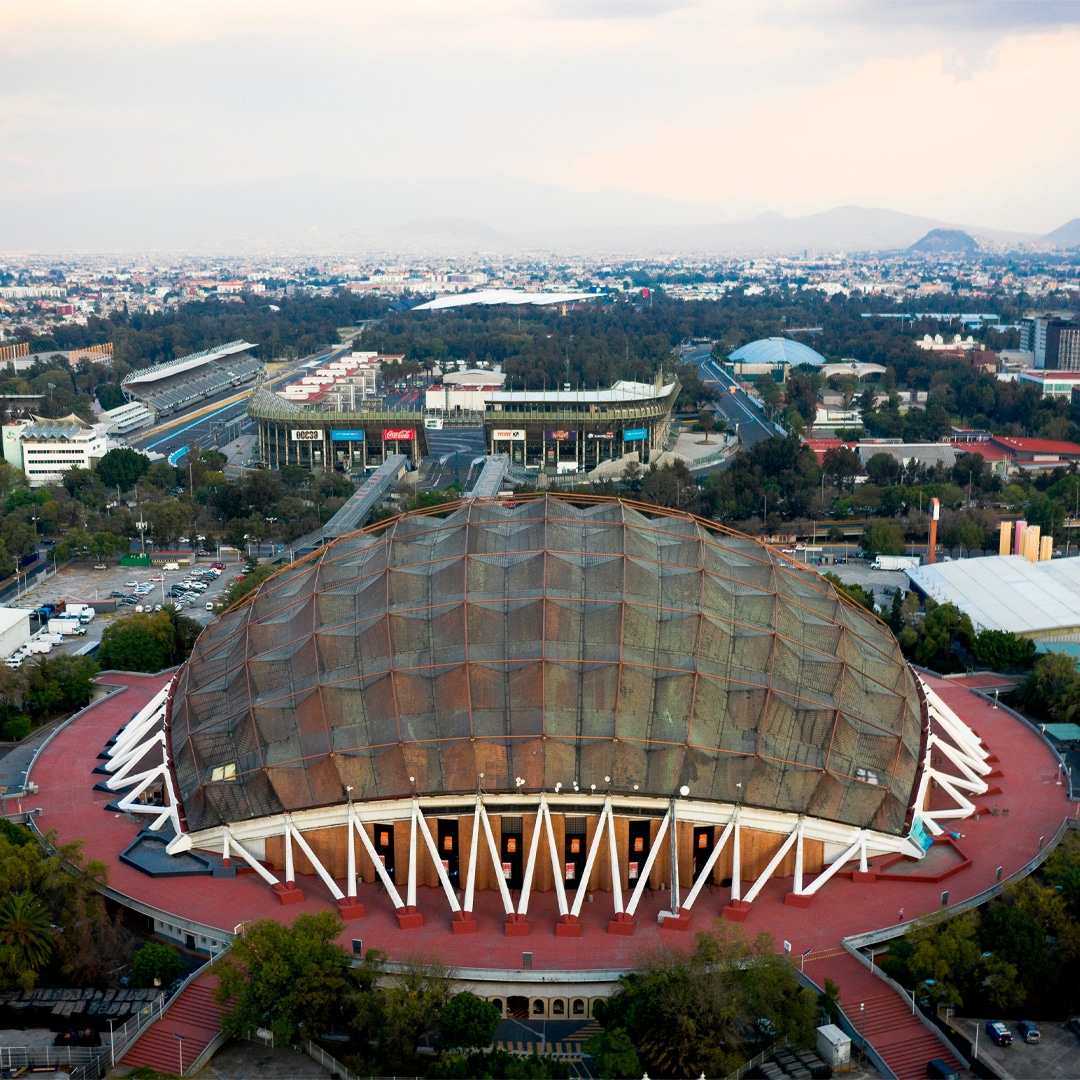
(777, 351)
(547, 640)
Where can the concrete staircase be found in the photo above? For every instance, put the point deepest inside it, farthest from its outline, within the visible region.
(899, 1037)
(193, 1015)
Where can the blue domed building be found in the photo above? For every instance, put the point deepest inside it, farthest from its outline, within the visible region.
(774, 354)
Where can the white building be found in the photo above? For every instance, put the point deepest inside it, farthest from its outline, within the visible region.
(14, 630)
(47, 449)
(127, 417)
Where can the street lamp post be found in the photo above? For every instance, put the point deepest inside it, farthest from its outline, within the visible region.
(180, 1039)
(112, 1044)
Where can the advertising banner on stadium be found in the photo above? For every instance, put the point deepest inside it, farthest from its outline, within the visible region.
(305, 435)
(508, 434)
(396, 434)
(600, 435)
(347, 436)
(560, 436)
(635, 434)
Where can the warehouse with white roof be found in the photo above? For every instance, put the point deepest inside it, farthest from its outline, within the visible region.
(1039, 600)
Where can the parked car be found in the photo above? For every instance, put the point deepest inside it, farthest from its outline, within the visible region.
(1029, 1031)
(131, 584)
(116, 594)
(999, 1032)
(202, 552)
(1074, 1026)
(101, 566)
(183, 540)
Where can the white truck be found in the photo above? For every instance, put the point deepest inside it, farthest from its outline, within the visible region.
(66, 624)
(38, 645)
(83, 612)
(896, 562)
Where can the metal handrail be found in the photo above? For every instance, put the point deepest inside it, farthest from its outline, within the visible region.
(317, 1053)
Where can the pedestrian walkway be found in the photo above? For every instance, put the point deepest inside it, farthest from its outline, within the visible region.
(189, 1025)
(884, 1018)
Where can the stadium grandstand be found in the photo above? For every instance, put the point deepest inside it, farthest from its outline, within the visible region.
(190, 379)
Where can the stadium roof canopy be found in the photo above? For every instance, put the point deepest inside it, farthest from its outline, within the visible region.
(187, 363)
(621, 392)
(777, 351)
(505, 296)
(539, 642)
(1007, 592)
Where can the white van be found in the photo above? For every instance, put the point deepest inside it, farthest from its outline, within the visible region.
(171, 566)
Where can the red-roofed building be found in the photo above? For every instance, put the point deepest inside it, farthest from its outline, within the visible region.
(998, 458)
(1036, 455)
(822, 446)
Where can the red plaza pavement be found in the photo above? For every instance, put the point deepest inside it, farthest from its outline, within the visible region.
(1027, 788)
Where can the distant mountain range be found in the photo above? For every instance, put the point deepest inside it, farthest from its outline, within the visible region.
(1068, 236)
(341, 216)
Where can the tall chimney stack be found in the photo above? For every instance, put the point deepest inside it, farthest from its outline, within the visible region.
(935, 513)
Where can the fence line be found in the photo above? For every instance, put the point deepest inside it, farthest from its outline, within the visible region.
(317, 1053)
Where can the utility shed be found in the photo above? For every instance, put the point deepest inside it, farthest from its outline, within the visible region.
(1039, 600)
(14, 630)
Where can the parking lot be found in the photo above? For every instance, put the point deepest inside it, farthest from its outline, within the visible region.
(85, 584)
(1055, 1057)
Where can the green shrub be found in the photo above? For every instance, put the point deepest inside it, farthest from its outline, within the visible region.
(17, 728)
(154, 961)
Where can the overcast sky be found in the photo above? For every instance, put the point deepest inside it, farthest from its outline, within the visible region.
(960, 111)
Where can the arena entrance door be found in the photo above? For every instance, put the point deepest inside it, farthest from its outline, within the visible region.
(448, 849)
(384, 847)
(640, 844)
(510, 850)
(574, 851)
(703, 846)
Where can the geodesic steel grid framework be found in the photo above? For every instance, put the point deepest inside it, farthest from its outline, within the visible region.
(547, 640)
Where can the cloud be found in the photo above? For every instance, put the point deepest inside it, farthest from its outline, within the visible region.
(789, 103)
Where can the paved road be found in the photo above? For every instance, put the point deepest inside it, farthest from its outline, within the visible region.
(739, 409)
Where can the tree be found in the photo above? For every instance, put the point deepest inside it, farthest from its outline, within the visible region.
(156, 965)
(883, 538)
(841, 465)
(467, 1022)
(707, 423)
(411, 1011)
(861, 596)
(884, 469)
(945, 957)
(768, 390)
(932, 642)
(613, 1054)
(82, 930)
(25, 934)
(122, 468)
(686, 1015)
(1001, 651)
(253, 578)
(290, 979)
(1051, 690)
(136, 642)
